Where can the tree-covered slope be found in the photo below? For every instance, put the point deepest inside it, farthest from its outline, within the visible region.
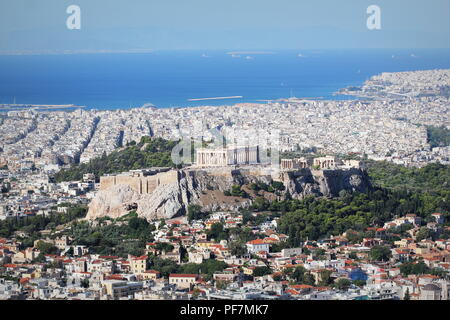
(149, 152)
(438, 136)
(431, 178)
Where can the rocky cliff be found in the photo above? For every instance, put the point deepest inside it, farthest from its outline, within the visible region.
(206, 188)
(327, 183)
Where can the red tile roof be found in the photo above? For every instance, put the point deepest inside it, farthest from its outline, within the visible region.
(257, 241)
(301, 286)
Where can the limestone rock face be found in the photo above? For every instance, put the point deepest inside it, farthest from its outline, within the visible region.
(112, 202)
(201, 187)
(165, 202)
(326, 183)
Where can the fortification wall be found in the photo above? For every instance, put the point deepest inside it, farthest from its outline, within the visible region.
(149, 184)
(107, 182)
(140, 184)
(134, 182)
(167, 177)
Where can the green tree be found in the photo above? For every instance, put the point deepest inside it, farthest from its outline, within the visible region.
(164, 247)
(236, 191)
(261, 271)
(419, 267)
(237, 248)
(277, 185)
(46, 248)
(221, 284)
(298, 274)
(308, 279)
(164, 266)
(325, 278)
(343, 284)
(85, 283)
(438, 136)
(260, 204)
(149, 152)
(380, 253)
(195, 212)
(217, 232)
(423, 233)
(359, 283)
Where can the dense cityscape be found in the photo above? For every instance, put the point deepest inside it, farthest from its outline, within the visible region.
(92, 207)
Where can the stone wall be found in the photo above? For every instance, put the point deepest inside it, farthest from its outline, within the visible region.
(107, 182)
(139, 183)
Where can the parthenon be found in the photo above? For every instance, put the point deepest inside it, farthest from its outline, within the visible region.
(227, 156)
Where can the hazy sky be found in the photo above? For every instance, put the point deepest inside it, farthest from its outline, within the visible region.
(223, 24)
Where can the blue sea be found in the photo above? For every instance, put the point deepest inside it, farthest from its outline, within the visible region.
(170, 79)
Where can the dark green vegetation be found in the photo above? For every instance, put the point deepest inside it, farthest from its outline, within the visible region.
(262, 271)
(420, 267)
(217, 232)
(261, 204)
(343, 284)
(149, 152)
(433, 178)
(166, 267)
(164, 246)
(195, 212)
(118, 238)
(298, 275)
(319, 218)
(275, 185)
(236, 191)
(301, 276)
(438, 136)
(397, 191)
(241, 235)
(32, 225)
(237, 236)
(380, 253)
(400, 191)
(46, 248)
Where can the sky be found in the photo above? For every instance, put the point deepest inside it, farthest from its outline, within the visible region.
(222, 24)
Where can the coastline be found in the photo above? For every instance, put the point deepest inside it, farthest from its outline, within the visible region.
(187, 79)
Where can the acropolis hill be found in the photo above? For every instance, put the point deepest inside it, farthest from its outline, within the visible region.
(164, 193)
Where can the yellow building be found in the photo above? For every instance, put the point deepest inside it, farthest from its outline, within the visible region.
(184, 281)
(149, 275)
(248, 270)
(205, 244)
(138, 264)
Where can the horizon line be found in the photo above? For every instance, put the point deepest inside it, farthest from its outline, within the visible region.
(27, 52)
